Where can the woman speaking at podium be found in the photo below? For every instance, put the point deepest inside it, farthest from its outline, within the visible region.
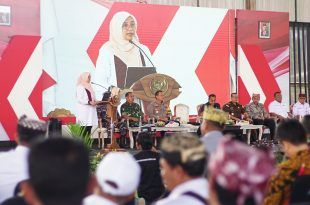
(86, 103)
(120, 52)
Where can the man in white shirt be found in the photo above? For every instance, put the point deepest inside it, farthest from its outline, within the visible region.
(183, 162)
(301, 108)
(277, 109)
(14, 166)
(118, 176)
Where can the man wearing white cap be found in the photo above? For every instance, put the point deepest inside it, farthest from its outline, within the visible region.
(118, 176)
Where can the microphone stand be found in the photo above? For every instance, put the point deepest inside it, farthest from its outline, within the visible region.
(99, 85)
(130, 41)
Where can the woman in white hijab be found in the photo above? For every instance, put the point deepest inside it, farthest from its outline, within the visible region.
(86, 103)
(116, 55)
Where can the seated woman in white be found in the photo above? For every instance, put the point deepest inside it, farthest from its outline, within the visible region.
(117, 54)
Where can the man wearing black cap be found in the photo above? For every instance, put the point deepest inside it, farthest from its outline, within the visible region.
(301, 108)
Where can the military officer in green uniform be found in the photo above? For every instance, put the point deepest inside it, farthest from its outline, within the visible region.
(131, 111)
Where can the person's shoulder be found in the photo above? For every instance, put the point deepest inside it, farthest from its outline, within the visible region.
(138, 155)
(181, 200)
(96, 200)
(249, 105)
(105, 50)
(15, 201)
(217, 104)
(124, 104)
(272, 103)
(239, 104)
(136, 104)
(80, 87)
(227, 104)
(261, 104)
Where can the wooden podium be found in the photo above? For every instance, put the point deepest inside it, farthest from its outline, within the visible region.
(111, 117)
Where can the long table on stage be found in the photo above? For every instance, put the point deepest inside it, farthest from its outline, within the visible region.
(246, 130)
(182, 128)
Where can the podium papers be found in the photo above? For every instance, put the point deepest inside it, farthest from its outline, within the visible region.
(133, 74)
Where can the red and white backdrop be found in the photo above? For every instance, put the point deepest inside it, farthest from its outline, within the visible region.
(263, 63)
(22, 77)
(196, 46)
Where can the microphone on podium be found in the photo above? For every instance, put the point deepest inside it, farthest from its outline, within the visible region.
(130, 41)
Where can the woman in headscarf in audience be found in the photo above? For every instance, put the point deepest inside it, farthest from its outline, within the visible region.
(86, 103)
(119, 53)
(238, 174)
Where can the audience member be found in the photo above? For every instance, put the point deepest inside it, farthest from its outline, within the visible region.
(183, 161)
(58, 173)
(234, 109)
(277, 109)
(301, 108)
(14, 166)
(259, 115)
(211, 128)
(151, 186)
(293, 139)
(210, 104)
(238, 174)
(118, 176)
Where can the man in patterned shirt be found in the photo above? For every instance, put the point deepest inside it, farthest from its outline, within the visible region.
(259, 115)
(131, 111)
(293, 141)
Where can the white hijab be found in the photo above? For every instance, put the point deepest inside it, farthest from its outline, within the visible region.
(120, 47)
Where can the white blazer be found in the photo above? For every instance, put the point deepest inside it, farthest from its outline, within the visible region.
(105, 74)
(86, 114)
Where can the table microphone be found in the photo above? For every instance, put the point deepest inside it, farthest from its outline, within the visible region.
(130, 41)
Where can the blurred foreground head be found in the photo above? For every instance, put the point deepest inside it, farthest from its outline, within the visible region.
(58, 172)
(239, 173)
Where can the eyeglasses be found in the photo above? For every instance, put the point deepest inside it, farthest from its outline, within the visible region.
(129, 25)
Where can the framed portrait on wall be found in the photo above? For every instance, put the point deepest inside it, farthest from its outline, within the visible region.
(264, 29)
(5, 15)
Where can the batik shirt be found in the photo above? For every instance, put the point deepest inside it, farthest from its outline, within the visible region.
(279, 186)
(256, 111)
(132, 110)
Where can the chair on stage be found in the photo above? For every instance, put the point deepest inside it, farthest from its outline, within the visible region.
(181, 111)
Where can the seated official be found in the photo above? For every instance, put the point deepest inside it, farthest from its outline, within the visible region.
(158, 109)
(259, 115)
(301, 108)
(277, 109)
(210, 104)
(131, 111)
(234, 109)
